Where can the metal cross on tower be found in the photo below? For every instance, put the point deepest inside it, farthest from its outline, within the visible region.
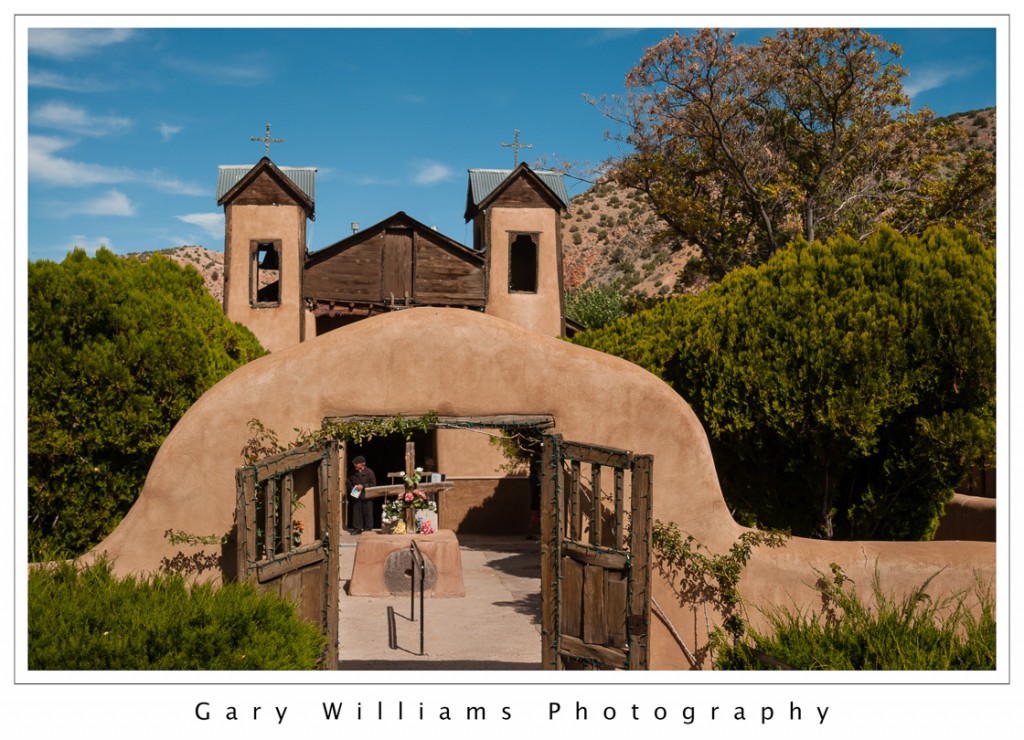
(516, 147)
(266, 140)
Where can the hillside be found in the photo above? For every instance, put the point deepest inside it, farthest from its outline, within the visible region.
(209, 263)
(611, 238)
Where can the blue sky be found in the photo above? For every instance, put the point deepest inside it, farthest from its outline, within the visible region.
(127, 126)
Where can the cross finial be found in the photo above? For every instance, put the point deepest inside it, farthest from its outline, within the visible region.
(266, 140)
(516, 147)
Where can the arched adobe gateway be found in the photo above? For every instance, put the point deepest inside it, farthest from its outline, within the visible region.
(460, 363)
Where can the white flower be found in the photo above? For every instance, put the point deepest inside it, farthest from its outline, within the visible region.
(419, 470)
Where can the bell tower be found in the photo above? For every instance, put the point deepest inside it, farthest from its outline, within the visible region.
(517, 224)
(266, 208)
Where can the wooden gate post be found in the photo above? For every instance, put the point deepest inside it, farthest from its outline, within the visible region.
(550, 537)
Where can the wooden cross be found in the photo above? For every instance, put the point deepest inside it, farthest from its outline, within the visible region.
(266, 140)
(516, 147)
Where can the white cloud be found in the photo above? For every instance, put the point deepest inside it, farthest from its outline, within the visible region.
(55, 81)
(70, 43)
(168, 130)
(111, 203)
(610, 34)
(64, 117)
(159, 181)
(211, 223)
(45, 167)
(930, 78)
(429, 173)
(245, 72)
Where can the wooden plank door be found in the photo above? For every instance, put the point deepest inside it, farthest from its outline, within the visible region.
(287, 519)
(396, 266)
(595, 558)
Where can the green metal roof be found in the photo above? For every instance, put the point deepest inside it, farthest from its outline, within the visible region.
(228, 176)
(483, 182)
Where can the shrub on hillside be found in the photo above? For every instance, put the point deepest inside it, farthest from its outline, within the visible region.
(847, 387)
(118, 350)
(594, 307)
(86, 619)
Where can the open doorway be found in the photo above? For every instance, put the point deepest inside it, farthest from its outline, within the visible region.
(386, 457)
(576, 598)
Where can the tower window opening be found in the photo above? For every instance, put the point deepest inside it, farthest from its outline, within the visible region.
(265, 273)
(522, 263)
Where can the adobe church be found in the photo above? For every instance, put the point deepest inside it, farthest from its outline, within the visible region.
(509, 365)
(288, 295)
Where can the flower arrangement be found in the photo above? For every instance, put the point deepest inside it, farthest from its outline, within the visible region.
(393, 513)
(411, 500)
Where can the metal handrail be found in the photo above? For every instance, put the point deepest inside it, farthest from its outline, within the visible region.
(417, 558)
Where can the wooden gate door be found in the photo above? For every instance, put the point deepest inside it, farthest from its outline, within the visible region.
(595, 561)
(287, 519)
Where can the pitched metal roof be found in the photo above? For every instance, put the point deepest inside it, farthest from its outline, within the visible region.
(483, 182)
(228, 176)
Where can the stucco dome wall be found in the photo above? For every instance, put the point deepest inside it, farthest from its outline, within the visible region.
(458, 362)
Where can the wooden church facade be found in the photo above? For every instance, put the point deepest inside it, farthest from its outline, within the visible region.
(395, 264)
(286, 295)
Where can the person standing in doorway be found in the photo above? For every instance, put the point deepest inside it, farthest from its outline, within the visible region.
(360, 507)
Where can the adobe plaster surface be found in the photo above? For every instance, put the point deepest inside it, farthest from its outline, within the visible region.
(276, 327)
(540, 311)
(481, 365)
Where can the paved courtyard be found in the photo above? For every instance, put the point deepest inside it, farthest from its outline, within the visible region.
(496, 626)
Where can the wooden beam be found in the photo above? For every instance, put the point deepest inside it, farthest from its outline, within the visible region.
(551, 504)
(269, 495)
(334, 466)
(640, 556)
(573, 647)
(595, 556)
(267, 570)
(597, 455)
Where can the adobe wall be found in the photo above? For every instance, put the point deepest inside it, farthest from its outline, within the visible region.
(540, 311)
(968, 518)
(277, 327)
(501, 369)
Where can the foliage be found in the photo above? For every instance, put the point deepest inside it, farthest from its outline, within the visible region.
(363, 430)
(87, 619)
(594, 307)
(118, 350)
(517, 447)
(916, 633)
(847, 387)
(701, 577)
(264, 441)
(740, 148)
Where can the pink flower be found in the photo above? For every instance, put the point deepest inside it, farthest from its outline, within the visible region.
(426, 527)
(420, 493)
(408, 497)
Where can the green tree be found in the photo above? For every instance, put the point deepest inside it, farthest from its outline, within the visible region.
(847, 387)
(740, 149)
(118, 349)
